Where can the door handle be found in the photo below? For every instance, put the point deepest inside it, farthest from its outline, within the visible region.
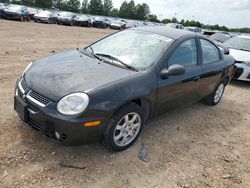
(196, 78)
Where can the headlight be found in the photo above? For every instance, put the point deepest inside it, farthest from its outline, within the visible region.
(246, 63)
(73, 104)
(27, 68)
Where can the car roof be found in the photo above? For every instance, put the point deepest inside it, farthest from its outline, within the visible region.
(165, 31)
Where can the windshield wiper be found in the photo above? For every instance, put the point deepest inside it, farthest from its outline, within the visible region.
(91, 54)
(117, 60)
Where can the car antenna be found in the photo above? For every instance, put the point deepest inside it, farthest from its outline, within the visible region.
(78, 38)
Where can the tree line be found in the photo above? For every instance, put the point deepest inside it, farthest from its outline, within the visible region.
(128, 9)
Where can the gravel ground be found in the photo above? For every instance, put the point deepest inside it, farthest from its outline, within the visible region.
(194, 146)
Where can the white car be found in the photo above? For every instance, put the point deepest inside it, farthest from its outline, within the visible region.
(239, 48)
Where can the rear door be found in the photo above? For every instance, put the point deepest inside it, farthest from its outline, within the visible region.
(212, 66)
(178, 90)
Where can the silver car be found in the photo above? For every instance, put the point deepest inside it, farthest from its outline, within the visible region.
(239, 48)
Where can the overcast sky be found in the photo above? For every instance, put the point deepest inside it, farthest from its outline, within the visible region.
(232, 13)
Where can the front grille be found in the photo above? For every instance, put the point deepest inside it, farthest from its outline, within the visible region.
(39, 97)
(34, 124)
(238, 72)
(24, 85)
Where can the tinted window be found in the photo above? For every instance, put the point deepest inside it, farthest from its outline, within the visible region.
(185, 54)
(209, 51)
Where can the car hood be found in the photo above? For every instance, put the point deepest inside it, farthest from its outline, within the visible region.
(240, 55)
(41, 16)
(83, 19)
(61, 74)
(11, 11)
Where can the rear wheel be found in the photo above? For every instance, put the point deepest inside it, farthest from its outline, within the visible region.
(124, 127)
(215, 97)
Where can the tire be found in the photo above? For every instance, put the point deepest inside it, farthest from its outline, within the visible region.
(124, 127)
(215, 97)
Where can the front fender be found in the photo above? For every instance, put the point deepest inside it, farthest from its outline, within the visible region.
(109, 98)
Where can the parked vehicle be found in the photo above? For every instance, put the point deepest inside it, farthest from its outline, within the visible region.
(2, 7)
(16, 12)
(194, 29)
(83, 20)
(66, 18)
(175, 25)
(220, 37)
(109, 90)
(45, 16)
(32, 12)
(118, 24)
(101, 22)
(239, 48)
(130, 24)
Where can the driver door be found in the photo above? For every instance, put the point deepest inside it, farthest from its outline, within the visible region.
(174, 91)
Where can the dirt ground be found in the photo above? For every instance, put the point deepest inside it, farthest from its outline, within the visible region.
(194, 146)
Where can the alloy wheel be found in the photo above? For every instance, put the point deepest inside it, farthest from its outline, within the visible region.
(219, 92)
(127, 129)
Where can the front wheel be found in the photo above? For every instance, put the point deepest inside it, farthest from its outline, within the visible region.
(216, 96)
(124, 128)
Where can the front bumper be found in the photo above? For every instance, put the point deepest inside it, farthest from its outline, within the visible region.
(242, 72)
(47, 121)
(64, 21)
(83, 23)
(99, 24)
(11, 16)
(40, 19)
(115, 27)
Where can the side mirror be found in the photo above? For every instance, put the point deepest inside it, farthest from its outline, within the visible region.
(173, 70)
(225, 51)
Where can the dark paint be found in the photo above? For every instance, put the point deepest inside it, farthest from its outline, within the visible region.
(110, 87)
(16, 15)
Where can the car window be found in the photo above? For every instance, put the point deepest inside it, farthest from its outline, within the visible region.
(210, 52)
(136, 48)
(185, 54)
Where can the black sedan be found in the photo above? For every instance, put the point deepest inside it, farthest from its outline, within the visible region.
(109, 90)
(16, 12)
(101, 22)
(66, 18)
(45, 17)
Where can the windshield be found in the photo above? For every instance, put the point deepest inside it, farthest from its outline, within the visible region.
(15, 8)
(135, 48)
(239, 43)
(66, 14)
